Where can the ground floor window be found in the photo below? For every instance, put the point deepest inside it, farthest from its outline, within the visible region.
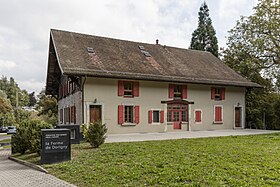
(198, 116)
(128, 114)
(218, 114)
(61, 116)
(156, 116)
(177, 113)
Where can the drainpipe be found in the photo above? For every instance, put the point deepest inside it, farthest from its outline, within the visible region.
(83, 117)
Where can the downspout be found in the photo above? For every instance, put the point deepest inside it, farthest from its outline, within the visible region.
(83, 112)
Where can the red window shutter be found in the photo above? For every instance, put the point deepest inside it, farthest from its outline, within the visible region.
(120, 114)
(212, 93)
(74, 108)
(65, 89)
(161, 116)
(197, 116)
(184, 92)
(150, 116)
(68, 87)
(223, 93)
(136, 89)
(120, 88)
(171, 91)
(136, 114)
(218, 114)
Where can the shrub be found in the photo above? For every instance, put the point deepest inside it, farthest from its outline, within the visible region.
(95, 134)
(28, 136)
(20, 143)
(34, 134)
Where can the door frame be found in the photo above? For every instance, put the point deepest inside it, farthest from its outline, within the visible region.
(242, 116)
(87, 108)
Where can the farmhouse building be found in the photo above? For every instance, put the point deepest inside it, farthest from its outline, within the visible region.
(139, 87)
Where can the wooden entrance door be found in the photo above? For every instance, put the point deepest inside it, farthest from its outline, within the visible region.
(238, 116)
(94, 113)
(177, 120)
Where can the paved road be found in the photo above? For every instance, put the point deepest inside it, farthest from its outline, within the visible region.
(3, 136)
(13, 174)
(136, 137)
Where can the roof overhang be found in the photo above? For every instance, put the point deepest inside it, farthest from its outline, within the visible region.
(54, 71)
(150, 77)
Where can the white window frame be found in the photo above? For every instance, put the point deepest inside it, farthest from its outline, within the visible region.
(156, 123)
(87, 107)
(195, 116)
(242, 116)
(133, 115)
(214, 111)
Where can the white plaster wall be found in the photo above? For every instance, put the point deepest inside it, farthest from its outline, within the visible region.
(105, 93)
(201, 95)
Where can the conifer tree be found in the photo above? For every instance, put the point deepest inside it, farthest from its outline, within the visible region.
(204, 37)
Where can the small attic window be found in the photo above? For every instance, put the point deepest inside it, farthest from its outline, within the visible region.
(141, 47)
(90, 50)
(146, 53)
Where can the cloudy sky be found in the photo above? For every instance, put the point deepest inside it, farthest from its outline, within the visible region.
(25, 27)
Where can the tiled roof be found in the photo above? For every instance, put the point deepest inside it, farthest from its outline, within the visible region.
(87, 55)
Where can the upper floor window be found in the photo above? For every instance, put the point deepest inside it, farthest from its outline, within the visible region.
(217, 93)
(177, 91)
(128, 88)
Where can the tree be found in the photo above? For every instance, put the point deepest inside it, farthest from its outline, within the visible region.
(32, 99)
(204, 37)
(14, 93)
(254, 52)
(47, 106)
(5, 105)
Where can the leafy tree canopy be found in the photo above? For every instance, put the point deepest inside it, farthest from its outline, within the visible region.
(254, 51)
(254, 43)
(47, 106)
(204, 37)
(13, 92)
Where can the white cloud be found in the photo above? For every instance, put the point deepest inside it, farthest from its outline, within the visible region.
(5, 64)
(25, 26)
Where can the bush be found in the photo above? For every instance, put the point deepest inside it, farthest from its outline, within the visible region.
(34, 134)
(95, 134)
(28, 136)
(20, 142)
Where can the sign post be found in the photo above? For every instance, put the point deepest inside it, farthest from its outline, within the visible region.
(55, 145)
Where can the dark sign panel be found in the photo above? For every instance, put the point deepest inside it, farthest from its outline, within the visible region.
(56, 146)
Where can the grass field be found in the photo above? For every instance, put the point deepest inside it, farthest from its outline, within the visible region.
(223, 161)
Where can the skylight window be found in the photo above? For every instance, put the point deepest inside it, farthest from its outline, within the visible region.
(141, 47)
(90, 50)
(146, 53)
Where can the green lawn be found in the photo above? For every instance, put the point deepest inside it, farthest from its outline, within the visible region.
(223, 161)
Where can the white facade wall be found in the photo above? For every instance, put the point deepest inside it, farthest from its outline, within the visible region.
(104, 92)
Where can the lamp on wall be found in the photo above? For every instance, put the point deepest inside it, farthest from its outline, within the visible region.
(95, 100)
(238, 104)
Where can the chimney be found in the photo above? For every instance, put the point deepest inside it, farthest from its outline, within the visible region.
(157, 41)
